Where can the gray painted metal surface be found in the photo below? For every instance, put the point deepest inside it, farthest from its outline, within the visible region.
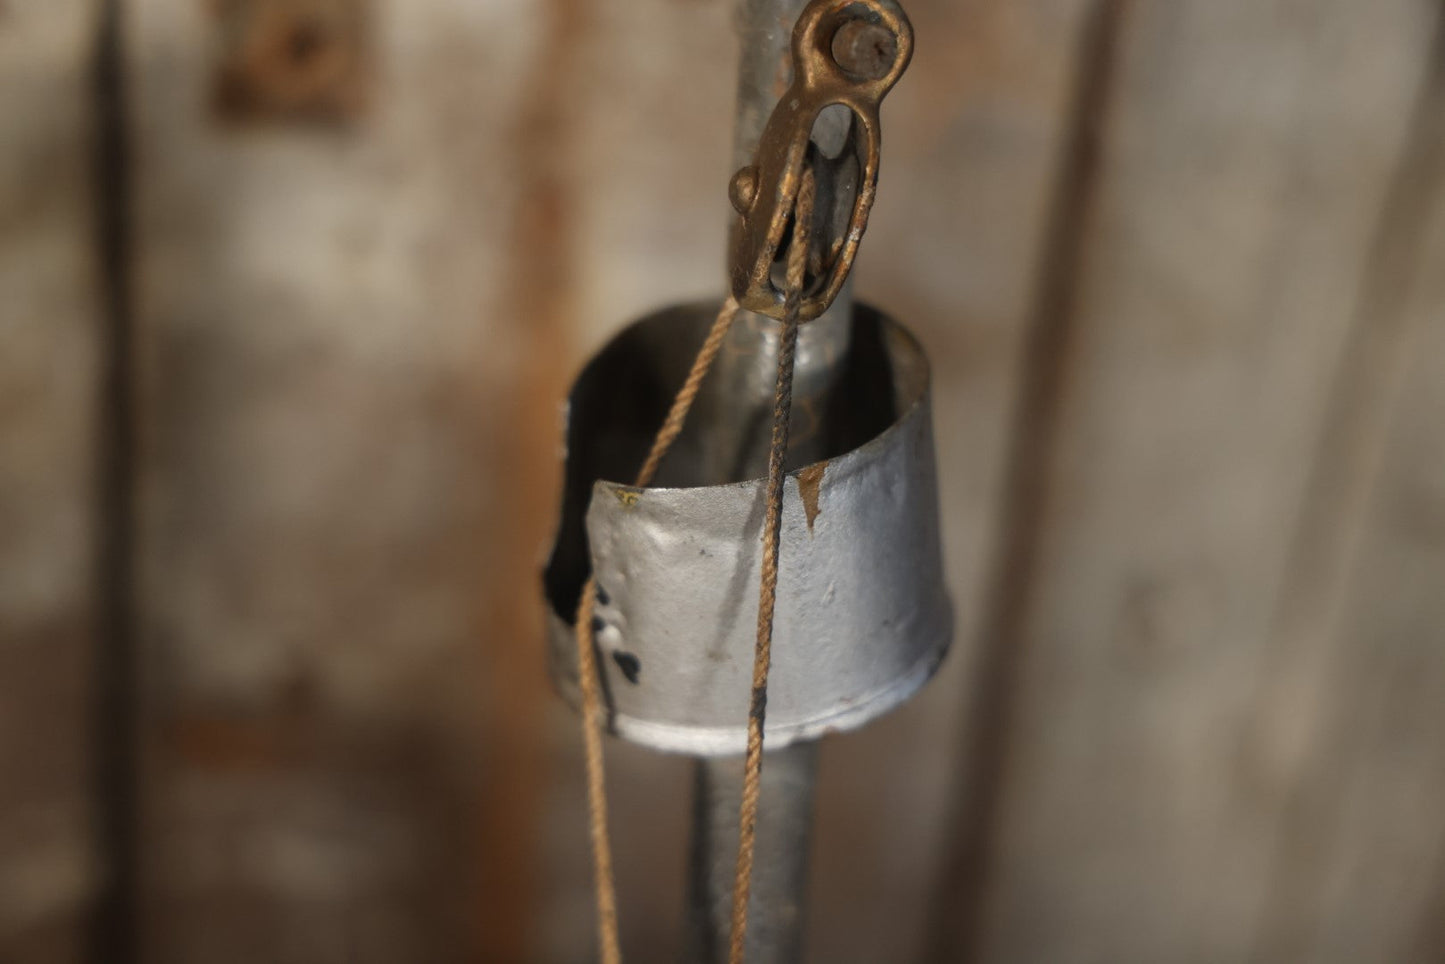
(862, 619)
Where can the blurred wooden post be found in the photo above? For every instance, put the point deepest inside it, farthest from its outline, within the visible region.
(52, 342)
(328, 586)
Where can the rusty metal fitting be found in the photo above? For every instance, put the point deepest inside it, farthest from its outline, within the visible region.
(847, 53)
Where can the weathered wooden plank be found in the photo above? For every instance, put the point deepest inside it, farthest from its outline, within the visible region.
(50, 343)
(330, 565)
(638, 154)
(1359, 687)
(541, 269)
(1373, 883)
(1245, 152)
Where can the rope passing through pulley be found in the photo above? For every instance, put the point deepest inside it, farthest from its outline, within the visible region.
(847, 53)
(666, 557)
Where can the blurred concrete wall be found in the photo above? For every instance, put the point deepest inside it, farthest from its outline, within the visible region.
(290, 290)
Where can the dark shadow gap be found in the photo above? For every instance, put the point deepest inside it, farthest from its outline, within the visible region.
(113, 930)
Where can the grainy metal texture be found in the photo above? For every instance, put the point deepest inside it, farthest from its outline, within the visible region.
(862, 617)
(852, 68)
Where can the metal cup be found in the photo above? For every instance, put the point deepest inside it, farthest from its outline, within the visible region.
(862, 617)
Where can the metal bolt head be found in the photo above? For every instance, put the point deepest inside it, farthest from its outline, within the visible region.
(743, 189)
(865, 49)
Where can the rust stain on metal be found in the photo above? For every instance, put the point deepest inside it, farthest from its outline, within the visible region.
(809, 481)
(292, 60)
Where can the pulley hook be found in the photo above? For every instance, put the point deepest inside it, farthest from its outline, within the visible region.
(845, 52)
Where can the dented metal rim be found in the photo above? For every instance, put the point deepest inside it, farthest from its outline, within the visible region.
(862, 618)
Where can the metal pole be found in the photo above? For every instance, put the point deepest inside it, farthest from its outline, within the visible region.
(736, 404)
(780, 873)
(738, 401)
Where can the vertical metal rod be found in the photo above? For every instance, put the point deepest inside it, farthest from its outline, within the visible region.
(738, 399)
(780, 873)
(737, 404)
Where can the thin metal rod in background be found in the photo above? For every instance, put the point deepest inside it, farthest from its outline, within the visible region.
(742, 387)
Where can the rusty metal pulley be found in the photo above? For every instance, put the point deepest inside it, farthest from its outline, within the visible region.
(862, 617)
(847, 55)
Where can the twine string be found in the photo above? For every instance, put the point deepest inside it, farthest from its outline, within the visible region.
(768, 583)
(588, 676)
(590, 683)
